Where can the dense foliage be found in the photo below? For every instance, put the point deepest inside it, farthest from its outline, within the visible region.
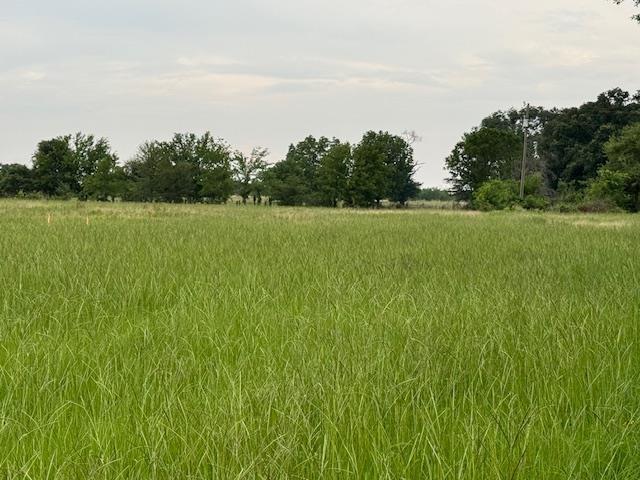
(582, 157)
(579, 154)
(619, 179)
(187, 168)
(191, 168)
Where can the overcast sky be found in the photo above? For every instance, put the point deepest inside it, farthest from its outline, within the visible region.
(270, 72)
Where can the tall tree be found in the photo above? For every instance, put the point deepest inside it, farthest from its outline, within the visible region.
(402, 169)
(15, 179)
(572, 142)
(487, 153)
(369, 182)
(294, 180)
(55, 167)
(333, 175)
(89, 152)
(383, 168)
(619, 179)
(62, 164)
(186, 168)
(215, 169)
(107, 182)
(248, 170)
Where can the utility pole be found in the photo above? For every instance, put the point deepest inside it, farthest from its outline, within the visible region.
(523, 171)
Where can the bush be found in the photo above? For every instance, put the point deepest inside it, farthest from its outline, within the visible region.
(535, 202)
(610, 187)
(569, 194)
(533, 185)
(496, 195)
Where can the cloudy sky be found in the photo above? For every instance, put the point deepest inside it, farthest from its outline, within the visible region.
(270, 72)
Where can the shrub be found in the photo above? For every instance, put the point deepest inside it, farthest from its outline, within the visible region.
(535, 202)
(610, 187)
(496, 195)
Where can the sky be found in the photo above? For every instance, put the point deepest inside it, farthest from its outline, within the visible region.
(270, 72)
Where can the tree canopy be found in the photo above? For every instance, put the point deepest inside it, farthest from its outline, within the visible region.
(568, 149)
(383, 167)
(486, 153)
(186, 168)
(619, 179)
(572, 142)
(192, 168)
(62, 165)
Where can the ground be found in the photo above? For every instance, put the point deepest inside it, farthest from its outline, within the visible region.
(190, 341)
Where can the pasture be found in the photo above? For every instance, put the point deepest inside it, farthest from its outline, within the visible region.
(225, 342)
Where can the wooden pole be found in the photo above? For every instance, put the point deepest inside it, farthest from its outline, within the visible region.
(523, 171)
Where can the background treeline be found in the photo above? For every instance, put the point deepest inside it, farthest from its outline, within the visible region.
(584, 158)
(191, 168)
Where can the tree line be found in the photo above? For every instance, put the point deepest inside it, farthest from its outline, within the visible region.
(192, 168)
(585, 157)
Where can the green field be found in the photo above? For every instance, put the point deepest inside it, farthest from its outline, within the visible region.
(187, 342)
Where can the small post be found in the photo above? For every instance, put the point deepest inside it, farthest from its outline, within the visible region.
(87, 219)
(523, 171)
(48, 219)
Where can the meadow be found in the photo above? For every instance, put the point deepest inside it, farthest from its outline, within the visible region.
(227, 342)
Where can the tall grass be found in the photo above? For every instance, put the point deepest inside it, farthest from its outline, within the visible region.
(168, 342)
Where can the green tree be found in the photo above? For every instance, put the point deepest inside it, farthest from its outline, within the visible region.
(611, 186)
(15, 179)
(333, 175)
(285, 184)
(294, 180)
(55, 167)
(186, 168)
(619, 179)
(215, 170)
(61, 165)
(572, 143)
(155, 176)
(487, 153)
(107, 182)
(512, 120)
(383, 168)
(248, 172)
(142, 171)
(402, 169)
(88, 153)
(369, 182)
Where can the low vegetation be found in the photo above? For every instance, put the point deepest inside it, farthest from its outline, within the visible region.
(197, 341)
